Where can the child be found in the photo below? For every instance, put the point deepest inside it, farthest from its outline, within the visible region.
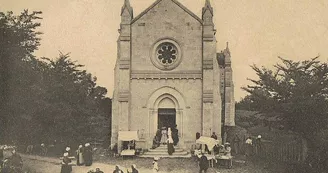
(155, 164)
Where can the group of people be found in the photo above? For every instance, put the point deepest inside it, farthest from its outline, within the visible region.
(14, 163)
(83, 157)
(119, 170)
(167, 136)
(253, 146)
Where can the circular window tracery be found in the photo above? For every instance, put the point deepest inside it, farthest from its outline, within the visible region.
(167, 53)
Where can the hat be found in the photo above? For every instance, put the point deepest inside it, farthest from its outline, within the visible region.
(227, 143)
(42, 144)
(68, 148)
(80, 146)
(156, 158)
(65, 154)
(259, 136)
(87, 144)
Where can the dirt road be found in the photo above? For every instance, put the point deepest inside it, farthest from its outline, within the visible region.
(37, 164)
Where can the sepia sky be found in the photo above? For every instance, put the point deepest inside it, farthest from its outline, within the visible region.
(258, 31)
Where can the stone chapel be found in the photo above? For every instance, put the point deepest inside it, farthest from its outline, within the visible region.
(168, 72)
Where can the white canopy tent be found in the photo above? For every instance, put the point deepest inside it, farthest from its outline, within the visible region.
(128, 135)
(210, 142)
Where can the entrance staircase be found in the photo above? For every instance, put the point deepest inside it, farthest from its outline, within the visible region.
(161, 152)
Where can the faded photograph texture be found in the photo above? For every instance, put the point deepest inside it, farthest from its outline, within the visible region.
(171, 86)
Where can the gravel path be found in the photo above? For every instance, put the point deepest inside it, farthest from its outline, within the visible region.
(37, 164)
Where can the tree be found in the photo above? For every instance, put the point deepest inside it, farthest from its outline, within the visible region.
(298, 93)
(45, 99)
(18, 40)
(73, 103)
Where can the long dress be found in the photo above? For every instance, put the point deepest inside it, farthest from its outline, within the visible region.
(164, 136)
(88, 156)
(79, 156)
(175, 136)
(66, 167)
(170, 147)
(203, 163)
(1, 156)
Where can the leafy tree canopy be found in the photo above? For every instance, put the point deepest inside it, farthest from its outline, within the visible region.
(295, 91)
(45, 99)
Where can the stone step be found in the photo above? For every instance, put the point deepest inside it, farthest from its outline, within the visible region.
(165, 153)
(165, 156)
(165, 149)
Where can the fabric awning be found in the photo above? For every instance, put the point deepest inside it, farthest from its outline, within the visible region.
(128, 135)
(210, 142)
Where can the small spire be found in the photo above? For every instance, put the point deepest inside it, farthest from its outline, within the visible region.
(127, 3)
(207, 6)
(207, 3)
(128, 6)
(227, 50)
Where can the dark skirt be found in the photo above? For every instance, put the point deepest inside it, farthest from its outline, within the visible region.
(176, 140)
(170, 148)
(66, 169)
(87, 158)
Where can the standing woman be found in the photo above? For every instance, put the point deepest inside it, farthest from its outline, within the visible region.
(175, 135)
(164, 135)
(169, 131)
(79, 156)
(248, 149)
(66, 164)
(87, 155)
(1, 154)
(170, 147)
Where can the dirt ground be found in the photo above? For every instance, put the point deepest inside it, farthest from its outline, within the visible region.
(34, 164)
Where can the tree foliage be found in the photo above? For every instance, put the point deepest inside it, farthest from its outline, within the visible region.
(45, 99)
(296, 92)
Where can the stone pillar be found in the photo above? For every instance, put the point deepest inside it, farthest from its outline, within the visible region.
(121, 115)
(209, 54)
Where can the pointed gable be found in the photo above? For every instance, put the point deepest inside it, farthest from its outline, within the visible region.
(127, 6)
(207, 6)
(175, 2)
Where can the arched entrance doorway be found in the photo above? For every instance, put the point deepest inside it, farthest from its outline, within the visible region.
(166, 112)
(166, 117)
(166, 108)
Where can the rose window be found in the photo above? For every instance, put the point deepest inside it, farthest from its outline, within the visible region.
(167, 53)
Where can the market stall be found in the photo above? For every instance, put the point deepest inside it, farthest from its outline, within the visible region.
(128, 138)
(209, 143)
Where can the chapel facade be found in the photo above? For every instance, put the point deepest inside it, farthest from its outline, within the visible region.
(168, 73)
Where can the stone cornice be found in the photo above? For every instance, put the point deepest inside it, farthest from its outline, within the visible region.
(207, 64)
(123, 96)
(124, 64)
(125, 38)
(208, 96)
(166, 75)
